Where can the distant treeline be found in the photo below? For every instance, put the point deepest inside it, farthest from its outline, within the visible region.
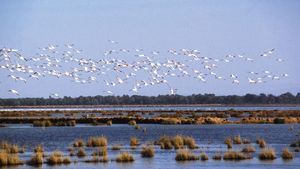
(286, 98)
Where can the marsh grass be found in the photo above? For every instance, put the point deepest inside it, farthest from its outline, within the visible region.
(287, 154)
(81, 153)
(237, 140)
(132, 122)
(101, 151)
(97, 142)
(190, 142)
(178, 142)
(203, 157)
(36, 159)
(147, 152)
(261, 142)
(217, 156)
(185, 155)
(117, 147)
(228, 142)
(39, 149)
(78, 143)
(97, 159)
(235, 155)
(248, 149)
(134, 142)
(7, 159)
(125, 157)
(57, 158)
(267, 154)
(109, 123)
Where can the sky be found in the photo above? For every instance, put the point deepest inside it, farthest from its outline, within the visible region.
(214, 27)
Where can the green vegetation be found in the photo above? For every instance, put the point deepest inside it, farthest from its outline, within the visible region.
(286, 98)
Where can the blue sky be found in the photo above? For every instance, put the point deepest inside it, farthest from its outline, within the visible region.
(215, 27)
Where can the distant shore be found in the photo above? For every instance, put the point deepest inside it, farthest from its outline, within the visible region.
(154, 105)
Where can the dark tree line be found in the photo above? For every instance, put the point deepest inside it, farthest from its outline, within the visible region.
(286, 98)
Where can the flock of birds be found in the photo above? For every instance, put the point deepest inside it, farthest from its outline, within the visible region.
(136, 67)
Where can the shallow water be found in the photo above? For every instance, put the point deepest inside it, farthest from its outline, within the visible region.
(210, 138)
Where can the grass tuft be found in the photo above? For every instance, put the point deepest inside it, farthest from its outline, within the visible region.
(147, 152)
(97, 141)
(125, 157)
(185, 155)
(287, 154)
(267, 154)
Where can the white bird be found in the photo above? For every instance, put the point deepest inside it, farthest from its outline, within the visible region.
(14, 91)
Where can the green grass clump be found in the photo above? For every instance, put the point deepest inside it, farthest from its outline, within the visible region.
(147, 152)
(267, 154)
(97, 142)
(125, 157)
(287, 154)
(185, 155)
